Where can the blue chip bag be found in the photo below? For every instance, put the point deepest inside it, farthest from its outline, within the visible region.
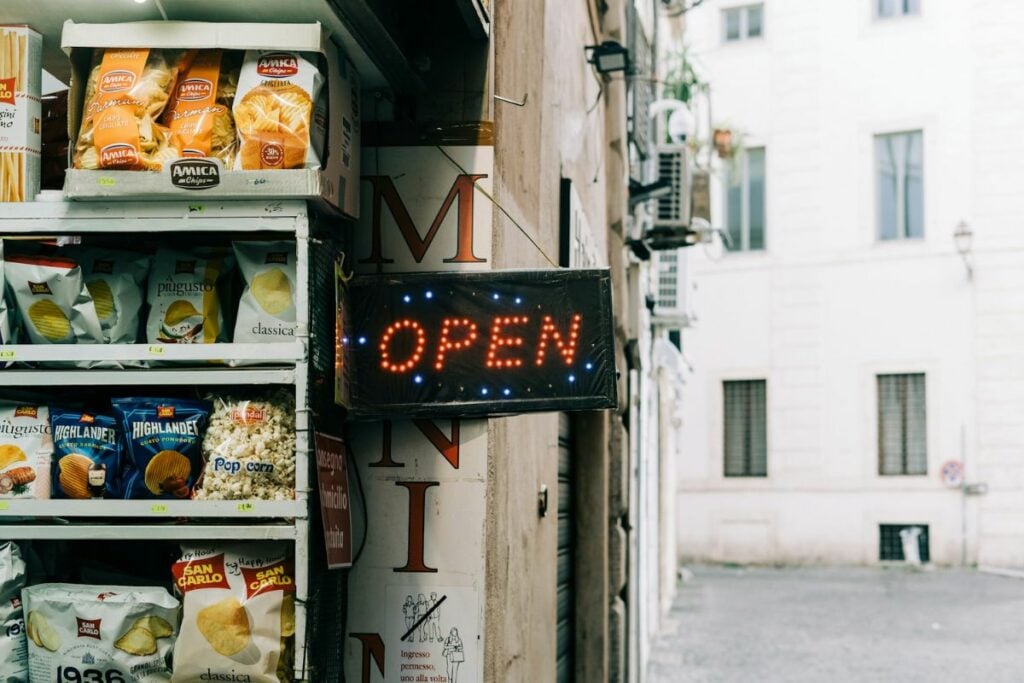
(163, 438)
(86, 455)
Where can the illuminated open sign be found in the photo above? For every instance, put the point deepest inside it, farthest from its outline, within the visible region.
(480, 343)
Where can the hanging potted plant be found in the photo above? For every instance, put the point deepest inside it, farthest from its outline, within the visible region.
(722, 140)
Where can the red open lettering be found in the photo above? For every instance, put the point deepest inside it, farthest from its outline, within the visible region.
(566, 347)
(448, 344)
(417, 350)
(498, 341)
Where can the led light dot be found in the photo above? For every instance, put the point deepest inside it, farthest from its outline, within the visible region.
(362, 340)
(589, 366)
(495, 296)
(519, 300)
(418, 379)
(572, 378)
(429, 294)
(484, 391)
(507, 392)
(406, 298)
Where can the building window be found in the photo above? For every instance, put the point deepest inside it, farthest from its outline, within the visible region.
(902, 434)
(897, 8)
(744, 202)
(900, 172)
(741, 23)
(890, 544)
(746, 448)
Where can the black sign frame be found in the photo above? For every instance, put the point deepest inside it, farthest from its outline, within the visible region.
(549, 368)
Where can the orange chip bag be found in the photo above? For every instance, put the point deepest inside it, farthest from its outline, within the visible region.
(126, 93)
(199, 114)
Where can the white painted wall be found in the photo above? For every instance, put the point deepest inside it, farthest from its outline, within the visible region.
(827, 307)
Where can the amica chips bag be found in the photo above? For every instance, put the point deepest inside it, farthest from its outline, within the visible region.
(266, 311)
(164, 445)
(13, 652)
(274, 110)
(52, 300)
(199, 114)
(25, 451)
(185, 297)
(114, 281)
(239, 613)
(99, 633)
(127, 91)
(86, 455)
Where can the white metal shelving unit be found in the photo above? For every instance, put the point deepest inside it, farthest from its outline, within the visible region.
(179, 365)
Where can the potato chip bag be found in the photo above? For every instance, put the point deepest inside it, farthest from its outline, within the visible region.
(86, 455)
(185, 297)
(5, 320)
(238, 616)
(82, 633)
(13, 647)
(114, 281)
(274, 110)
(266, 311)
(163, 439)
(52, 300)
(199, 114)
(127, 91)
(25, 451)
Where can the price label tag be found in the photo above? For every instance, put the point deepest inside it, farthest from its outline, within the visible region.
(106, 182)
(158, 508)
(156, 350)
(7, 354)
(246, 507)
(196, 208)
(4, 505)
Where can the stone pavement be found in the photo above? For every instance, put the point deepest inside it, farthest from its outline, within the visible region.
(842, 624)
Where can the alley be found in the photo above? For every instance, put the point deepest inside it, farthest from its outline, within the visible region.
(842, 624)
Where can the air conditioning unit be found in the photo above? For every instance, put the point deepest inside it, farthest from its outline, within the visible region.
(670, 303)
(673, 209)
(671, 224)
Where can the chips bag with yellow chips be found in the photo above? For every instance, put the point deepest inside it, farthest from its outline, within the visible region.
(99, 633)
(239, 613)
(185, 296)
(127, 91)
(25, 450)
(274, 110)
(86, 455)
(13, 653)
(199, 114)
(114, 280)
(266, 311)
(164, 445)
(52, 300)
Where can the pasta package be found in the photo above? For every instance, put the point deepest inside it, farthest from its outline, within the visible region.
(52, 300)
(266, 311)
(86, 455)
(127, 91)
(274, 110)
(109, 633)
(114, 281)
(26, 448)
(199, 115)
(20, 113)
(239, 613)
(185, 297)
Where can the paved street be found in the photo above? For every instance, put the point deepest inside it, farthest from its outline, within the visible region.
(849, 624)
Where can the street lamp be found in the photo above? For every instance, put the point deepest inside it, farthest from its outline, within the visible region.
(607, 57)
(963, 237)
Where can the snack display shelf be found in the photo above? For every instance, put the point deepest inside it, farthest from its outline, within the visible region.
(171, 532)
(279, 352)
(147, 377)
(155, 509)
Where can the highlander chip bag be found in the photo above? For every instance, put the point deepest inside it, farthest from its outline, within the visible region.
(86, 455)
(266, 311)
(185, 297)
(99, 633)
(239, 613)
(13, 652)
(274, 110)
(164, 445)
(199, 114)
(52, 300)
(114, 280)
(25, 451)
(127, 90)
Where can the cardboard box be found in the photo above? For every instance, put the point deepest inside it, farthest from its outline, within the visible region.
(20, 112)
(336, 184)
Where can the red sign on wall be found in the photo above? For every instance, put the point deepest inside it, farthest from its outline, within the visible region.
(335, 511)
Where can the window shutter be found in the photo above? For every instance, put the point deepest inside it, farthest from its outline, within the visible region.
(902, 425)
(745, 423)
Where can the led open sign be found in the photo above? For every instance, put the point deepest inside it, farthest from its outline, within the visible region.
(480, 343)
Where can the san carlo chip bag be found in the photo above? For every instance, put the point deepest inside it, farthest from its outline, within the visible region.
(86, 455)
(266, 311)
(127, 91)
(25, 451)
(199, 114)
(239, 613)
(114, 281)
(80, 633)
(274, 110)
(164, 445)
(13, 654)
(52, 300)
(185, 297)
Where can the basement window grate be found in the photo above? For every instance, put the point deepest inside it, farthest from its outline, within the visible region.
(890, 545)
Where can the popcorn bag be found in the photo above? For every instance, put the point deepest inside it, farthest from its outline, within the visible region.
(239, 614)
